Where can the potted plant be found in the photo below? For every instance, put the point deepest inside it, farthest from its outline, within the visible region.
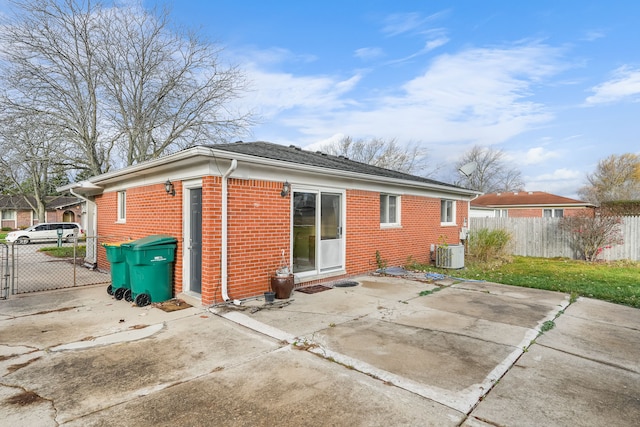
(282, 282)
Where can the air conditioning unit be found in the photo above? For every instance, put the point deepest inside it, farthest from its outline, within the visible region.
(450, 256)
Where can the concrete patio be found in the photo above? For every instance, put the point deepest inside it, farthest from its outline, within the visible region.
(388, 351)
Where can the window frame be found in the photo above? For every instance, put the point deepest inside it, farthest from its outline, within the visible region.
(121, 206)
(13, 215)
(554, 212)
(384, 214)
(444, 211)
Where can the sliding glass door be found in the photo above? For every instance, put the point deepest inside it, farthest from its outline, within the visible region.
(317, 232)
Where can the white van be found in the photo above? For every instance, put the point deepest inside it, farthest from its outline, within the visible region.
(47, 231)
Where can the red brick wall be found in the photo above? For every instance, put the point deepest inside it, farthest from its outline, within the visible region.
(260, 228)
(525, 213)
(420, 227)
(211, 238)
(150, 210)
(537, 212)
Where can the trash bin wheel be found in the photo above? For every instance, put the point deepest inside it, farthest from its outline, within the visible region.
(128, 297)
(143, 300)
(110, 290)
(119, 294)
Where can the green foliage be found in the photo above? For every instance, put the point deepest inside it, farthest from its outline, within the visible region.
(428, 292)
(487, 244)
(617, 282)
(64, 251)
(621, 207)
(547, 326)
(380, 262)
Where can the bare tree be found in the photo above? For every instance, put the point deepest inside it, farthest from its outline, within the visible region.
(117, 83)
(590, 235)
(50, 71)
(616, 177)
(492, 172)
(30, 158)
(388, 154)
(167, 89)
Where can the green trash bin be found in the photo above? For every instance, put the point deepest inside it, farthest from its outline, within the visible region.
(120, 286)
(150, 262)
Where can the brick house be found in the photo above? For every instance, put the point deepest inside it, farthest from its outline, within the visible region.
(240, 211)
(527, 204)
(16, 212)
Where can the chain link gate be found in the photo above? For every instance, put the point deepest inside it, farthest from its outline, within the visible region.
(44, 266)
(4, 271)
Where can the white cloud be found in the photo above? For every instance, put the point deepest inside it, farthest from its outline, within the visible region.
(533, 156)
(624, 84)
(368, 53)
(477, 96)
(435, 43)
(563, 182)
(400, 23)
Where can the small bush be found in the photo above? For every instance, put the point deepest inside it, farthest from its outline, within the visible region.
(7, 229)
(486, 244)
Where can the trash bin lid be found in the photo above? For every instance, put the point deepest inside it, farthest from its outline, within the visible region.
(150, 241)
(105, 244)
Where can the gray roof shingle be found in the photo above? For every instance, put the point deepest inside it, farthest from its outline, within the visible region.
(297, 155)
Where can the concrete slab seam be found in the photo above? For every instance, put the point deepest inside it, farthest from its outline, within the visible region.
(475, 393)
(256, 325)
(445, 397)
(118, 337)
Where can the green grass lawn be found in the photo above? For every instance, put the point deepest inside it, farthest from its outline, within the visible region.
(64, 251)
(617, 282)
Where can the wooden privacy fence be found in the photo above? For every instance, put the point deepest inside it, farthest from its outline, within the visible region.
(541, 237)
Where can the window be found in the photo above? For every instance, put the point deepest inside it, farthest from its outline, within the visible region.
(122, 206)
(553, 213)
(501, 213)
(389, 209)
(9, 215)
(447, 212)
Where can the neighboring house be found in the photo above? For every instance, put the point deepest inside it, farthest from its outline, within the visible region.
(17, 213)
(240, 211)
(527, 204)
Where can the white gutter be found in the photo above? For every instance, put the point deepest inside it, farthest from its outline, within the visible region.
(92, 250)
(225, 225)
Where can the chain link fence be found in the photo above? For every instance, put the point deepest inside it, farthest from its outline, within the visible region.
(38, 267)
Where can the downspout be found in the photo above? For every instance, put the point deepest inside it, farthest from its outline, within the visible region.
(225, 226)
(91, 258)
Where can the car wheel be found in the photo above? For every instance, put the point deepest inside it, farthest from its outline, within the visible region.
(22, 240)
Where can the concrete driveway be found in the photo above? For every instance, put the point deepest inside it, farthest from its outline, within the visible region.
(378, 353)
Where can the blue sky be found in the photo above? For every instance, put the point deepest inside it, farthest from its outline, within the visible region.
(555, 84)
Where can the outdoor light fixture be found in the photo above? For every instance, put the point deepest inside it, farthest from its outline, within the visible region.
(168, 187)
(286, 187)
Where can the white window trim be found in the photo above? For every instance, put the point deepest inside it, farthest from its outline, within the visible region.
(13, 215)
(121, 213)
(553, 212)
(453, 212)
(397, 223)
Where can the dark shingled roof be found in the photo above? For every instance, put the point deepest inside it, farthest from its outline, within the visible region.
(20, 202)
(297, 155)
